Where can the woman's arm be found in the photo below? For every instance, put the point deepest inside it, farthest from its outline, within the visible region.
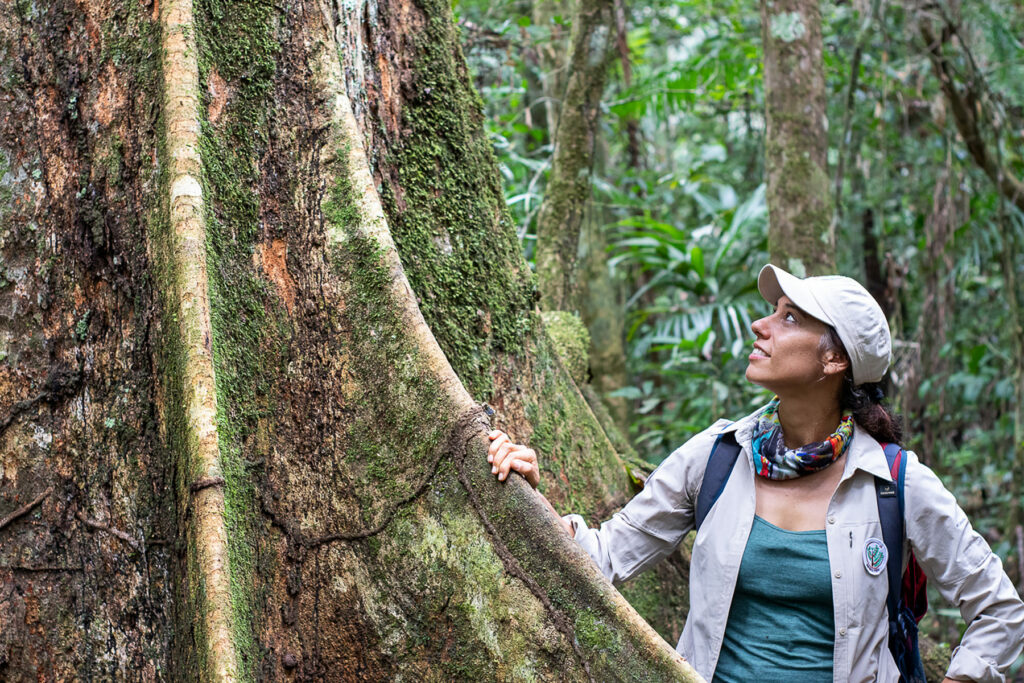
(968, 574)
(649, 527)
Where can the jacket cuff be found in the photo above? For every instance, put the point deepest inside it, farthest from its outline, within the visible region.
(582, 534)
(577, 523)
(965, 665)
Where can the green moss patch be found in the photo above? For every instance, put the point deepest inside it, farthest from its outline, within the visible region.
(571, 340)
(447, 213)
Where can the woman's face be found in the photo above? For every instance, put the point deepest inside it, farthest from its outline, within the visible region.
(786, 353)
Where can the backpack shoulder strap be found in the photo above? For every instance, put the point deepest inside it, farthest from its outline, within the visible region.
(720, 463)
(890, 514)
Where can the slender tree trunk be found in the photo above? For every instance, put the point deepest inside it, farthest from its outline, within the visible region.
(553, 54)
(592, 292)
(933, 323)
(603, 313)
(569, 187)
(260, 275)
(801, 236)
(1013, 302)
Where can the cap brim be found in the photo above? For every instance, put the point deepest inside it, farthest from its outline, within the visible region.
(773, 282)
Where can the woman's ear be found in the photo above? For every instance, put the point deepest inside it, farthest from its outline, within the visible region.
(834, 363)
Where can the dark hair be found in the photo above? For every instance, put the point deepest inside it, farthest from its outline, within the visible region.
(865, 400)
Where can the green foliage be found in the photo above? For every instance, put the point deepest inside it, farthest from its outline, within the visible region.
(689, 328)
(682, 184)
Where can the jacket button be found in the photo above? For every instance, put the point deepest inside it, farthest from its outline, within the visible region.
(831, 519)
(842, 631)
(839, 574)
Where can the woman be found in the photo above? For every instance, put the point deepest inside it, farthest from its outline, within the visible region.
(786, 543)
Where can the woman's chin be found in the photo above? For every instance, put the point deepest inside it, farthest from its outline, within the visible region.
(753, 376)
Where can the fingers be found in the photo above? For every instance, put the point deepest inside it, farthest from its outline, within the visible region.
(522, 460)
(497, 438)
(529, 469)
(506, 456)
(500, 458)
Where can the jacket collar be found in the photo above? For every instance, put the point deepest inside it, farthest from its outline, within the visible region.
(865, 453)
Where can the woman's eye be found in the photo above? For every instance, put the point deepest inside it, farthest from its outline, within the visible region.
(790, 317)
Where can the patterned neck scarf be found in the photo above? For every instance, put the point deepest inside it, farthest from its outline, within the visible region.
(775, 461)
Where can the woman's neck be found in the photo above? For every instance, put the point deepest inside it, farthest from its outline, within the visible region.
(808, 419)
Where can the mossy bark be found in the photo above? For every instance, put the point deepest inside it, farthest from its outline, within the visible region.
(278, 472)
(86, 572)
(801, 236)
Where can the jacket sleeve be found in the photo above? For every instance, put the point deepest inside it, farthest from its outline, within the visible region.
(968, 574)
(654, 522)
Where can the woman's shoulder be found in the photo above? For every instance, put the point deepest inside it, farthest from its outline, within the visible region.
(922, 486)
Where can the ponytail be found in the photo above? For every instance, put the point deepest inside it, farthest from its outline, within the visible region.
(865, 401)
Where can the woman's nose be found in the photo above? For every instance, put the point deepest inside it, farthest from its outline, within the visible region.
(759, 328)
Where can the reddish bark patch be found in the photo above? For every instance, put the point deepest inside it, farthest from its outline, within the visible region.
(111, 97)
(273, 258)
(219, 95)
(48, 105)
(388, 96)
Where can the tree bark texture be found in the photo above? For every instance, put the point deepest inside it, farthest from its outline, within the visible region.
(87, 574)
(257, 274)
(801, 236)
(560, 218)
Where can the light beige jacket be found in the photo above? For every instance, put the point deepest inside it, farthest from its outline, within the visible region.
(953, 555)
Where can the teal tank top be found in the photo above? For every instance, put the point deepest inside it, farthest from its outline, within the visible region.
(781, 626)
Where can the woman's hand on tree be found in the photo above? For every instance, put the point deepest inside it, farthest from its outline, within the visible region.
(506, 457)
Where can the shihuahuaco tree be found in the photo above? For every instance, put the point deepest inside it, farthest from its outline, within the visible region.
(258, 279)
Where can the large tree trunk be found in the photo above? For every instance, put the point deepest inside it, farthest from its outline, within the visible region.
(257, 274)
(801, 236)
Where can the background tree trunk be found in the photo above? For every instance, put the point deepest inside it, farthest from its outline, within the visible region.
(278, 472)
(801, 236)
(560, 218)
(569, 204)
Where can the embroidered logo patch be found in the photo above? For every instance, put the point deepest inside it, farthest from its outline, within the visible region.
(875, 556)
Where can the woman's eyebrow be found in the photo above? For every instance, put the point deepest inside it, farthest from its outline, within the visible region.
(793, 308)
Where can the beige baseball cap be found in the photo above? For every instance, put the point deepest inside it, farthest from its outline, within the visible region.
(844, 304)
